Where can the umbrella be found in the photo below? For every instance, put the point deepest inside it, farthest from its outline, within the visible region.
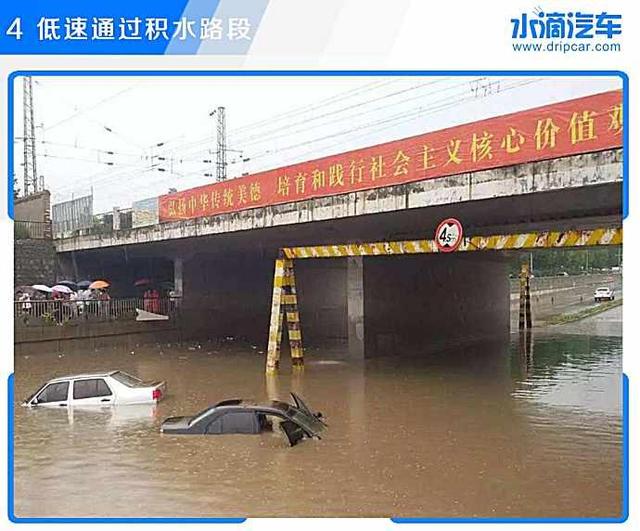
(84, 284)
(142, 282)
(69, 283)
(62, 289)
(42, 287)
(99, 284)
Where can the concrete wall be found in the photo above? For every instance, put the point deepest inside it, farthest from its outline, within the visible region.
(227, 296)
(34, 262)
(427, 303)
(231, 296)
(322, 295)
(86, 335)
(36, 207)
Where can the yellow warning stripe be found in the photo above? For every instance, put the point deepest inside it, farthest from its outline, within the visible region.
(289, 299)
(530, 240)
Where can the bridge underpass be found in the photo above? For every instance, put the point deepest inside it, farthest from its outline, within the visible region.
(223, 265)
(406, 303)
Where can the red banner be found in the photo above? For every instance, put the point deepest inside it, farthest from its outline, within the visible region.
(583, 125)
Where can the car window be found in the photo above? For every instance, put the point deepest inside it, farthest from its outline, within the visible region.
(199, 416)
(235, 422)
(56, 392)
(215, 426)
(127, 379)
(90, 388)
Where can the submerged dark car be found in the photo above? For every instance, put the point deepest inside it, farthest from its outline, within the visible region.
(296, 420)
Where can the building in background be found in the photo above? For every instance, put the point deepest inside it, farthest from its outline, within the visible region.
(72, 215)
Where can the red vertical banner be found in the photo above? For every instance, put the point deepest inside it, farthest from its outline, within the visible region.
(592, 123)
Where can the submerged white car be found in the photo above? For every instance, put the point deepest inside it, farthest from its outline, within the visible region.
(100, 389)
(603, 294)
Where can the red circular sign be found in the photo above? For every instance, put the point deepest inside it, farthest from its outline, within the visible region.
(449, 235)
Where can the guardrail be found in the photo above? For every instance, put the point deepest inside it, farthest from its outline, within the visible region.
(58, 312)
(34, 230)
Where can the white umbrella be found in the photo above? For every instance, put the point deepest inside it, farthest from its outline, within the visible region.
(62, 289)
(42, 287)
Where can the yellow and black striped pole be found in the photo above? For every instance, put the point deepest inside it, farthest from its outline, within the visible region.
(275, 327)
(292, 315)
(525, 298)
(284, 307)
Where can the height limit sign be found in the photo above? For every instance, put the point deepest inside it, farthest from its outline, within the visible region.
(449, 235)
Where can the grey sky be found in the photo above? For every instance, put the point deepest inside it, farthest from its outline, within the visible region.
(102, 133)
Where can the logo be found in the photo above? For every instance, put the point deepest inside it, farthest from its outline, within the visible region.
(566, 32)
(567, 25)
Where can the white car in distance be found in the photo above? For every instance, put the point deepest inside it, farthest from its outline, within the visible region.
(100, 389)
(603, 294)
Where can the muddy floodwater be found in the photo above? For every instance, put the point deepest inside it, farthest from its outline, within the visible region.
(475, 432)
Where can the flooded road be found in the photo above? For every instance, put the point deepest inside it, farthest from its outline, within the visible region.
(483, 431)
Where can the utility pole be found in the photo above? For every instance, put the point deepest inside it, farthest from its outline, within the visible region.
(30, 178)
(221, 144)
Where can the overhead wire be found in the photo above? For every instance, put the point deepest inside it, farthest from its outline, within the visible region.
(394, 120)
(114, 174)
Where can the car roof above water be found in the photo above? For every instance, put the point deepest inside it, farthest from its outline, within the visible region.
(86, 375)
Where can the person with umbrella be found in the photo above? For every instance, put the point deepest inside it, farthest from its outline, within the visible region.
(57, 306)
(25, 299)
(63, 294)
(103, 297)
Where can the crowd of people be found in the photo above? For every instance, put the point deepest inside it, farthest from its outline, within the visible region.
(59, 305)
(67, 303)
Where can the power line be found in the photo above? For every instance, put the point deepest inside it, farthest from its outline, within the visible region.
(266, 137)
(401, 116)
(299, 110)
(345, 135)
(336, 111)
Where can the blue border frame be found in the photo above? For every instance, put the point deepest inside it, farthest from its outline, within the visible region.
(623, 517)
(317, 73)
(322, 73)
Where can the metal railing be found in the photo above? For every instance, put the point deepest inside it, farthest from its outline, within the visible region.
(42, 312)
(34, 230)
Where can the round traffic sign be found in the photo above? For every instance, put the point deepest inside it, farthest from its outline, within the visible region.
(449, 235)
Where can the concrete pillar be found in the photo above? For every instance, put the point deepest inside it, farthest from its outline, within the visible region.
(355, 307)
(177, 278)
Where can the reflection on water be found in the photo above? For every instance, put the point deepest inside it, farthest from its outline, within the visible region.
(484, 431)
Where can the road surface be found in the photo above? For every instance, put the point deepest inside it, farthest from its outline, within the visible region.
(608, 323)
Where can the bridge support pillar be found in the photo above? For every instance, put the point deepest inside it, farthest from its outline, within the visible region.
(284, 309)
(355, 307)
(178, 275)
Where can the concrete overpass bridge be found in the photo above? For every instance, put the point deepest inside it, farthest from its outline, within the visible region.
(223, 264)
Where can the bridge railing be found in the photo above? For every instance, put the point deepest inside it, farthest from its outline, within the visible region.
(58, 312)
